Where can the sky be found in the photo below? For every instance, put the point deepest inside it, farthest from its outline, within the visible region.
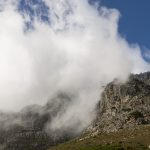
(134, 23)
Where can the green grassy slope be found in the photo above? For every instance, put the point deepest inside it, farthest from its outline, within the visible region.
(137, 139)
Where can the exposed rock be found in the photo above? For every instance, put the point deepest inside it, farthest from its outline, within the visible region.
(124, 105)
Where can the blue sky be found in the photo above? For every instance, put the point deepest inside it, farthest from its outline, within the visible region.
(134, 23)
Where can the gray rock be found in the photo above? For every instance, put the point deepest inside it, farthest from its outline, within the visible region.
(26, 130)
(124, 105)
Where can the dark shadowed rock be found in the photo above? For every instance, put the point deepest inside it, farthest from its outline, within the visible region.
(26, 130)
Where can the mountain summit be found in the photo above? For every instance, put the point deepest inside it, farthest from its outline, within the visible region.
(124, 105)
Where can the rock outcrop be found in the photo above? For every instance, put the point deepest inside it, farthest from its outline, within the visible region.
(124, 105)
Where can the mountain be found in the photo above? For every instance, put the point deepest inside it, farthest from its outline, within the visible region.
(123, 116)
(124, 105)
(26, 130)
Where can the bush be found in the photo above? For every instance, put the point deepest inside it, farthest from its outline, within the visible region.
(136, 114)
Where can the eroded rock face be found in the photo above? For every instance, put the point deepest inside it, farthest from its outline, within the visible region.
(26, 139)
(124, 105)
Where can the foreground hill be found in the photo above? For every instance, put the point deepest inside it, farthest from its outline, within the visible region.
(136, 139)
(123, 118)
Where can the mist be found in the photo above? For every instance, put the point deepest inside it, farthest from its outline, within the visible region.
(77, 52)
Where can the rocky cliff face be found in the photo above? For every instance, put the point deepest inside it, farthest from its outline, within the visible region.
(124, 105)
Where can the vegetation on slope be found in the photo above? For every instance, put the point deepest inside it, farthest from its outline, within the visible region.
(137, 139)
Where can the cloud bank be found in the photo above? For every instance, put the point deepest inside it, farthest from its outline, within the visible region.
(76, 52)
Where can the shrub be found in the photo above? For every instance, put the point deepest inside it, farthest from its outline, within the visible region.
(136, 114)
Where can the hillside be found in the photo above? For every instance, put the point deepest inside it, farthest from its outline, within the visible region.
(123, 118)
(122, 122)
(26, 130)
(137, 139)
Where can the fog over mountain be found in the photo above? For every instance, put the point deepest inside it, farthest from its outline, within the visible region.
(48, 47)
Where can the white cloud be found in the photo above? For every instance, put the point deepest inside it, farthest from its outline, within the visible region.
(147, 53)
(77, 54)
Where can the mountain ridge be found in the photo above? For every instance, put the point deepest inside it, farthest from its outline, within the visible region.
(124, 105)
